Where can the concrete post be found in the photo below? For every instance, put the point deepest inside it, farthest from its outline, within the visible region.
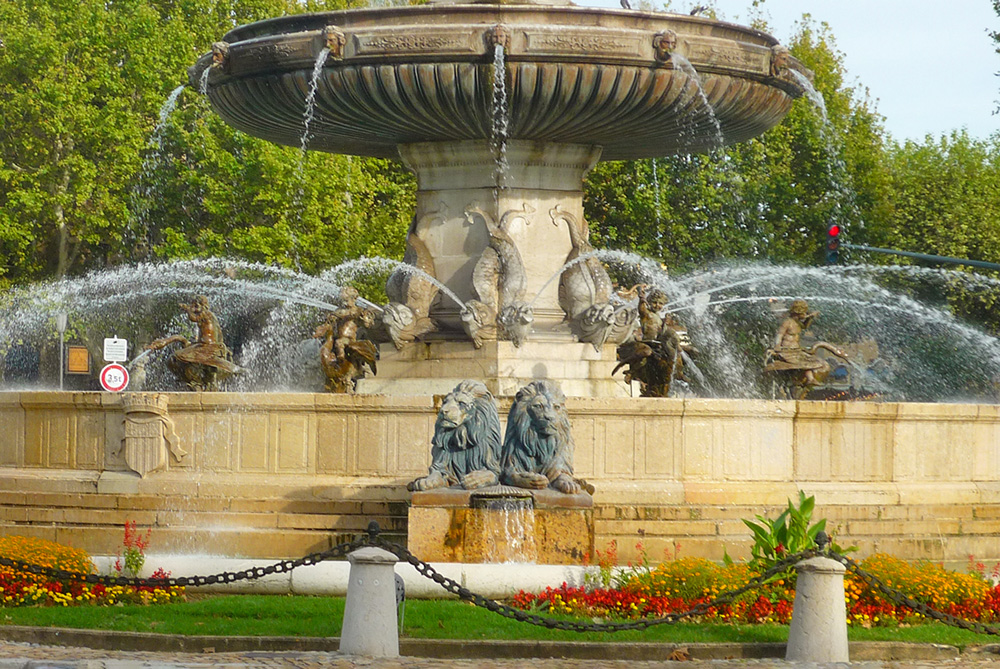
(370, 627)
(818, 632)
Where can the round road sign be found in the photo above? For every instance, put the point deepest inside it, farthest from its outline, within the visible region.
(114, 377)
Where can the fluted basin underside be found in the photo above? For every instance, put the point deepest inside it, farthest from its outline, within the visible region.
(617, 79)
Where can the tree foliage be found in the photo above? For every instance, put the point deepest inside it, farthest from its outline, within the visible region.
(80, 86)
(220, 192)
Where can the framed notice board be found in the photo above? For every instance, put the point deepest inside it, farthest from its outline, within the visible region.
(77, 360)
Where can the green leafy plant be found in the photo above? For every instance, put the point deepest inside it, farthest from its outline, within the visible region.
(787, 534)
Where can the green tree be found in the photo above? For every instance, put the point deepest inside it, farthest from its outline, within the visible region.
(80, 83)
(80, 87)
(946, 201)
(220, 192)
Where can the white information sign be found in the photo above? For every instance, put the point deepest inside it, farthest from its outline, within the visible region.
(114, 378)
(115, 349)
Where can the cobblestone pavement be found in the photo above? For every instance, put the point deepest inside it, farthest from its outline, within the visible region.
(32, 656)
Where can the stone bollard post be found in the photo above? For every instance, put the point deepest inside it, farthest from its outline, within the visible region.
(370, 627)
(818, 632)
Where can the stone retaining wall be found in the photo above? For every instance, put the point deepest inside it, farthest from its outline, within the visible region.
(277, 475)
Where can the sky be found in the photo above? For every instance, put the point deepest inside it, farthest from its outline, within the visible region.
(930, 64)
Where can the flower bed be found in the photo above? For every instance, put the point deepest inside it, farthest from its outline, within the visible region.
(22, 588)
(678, 585)
(971, 596)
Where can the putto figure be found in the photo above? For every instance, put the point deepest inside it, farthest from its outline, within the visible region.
(343, 356)
(208, 361)
(654, 358)
(798, 369)
(465, 450)
(538, 447)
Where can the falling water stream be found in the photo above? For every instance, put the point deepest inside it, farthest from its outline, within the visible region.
(811, 93)
(498, 136)
(300, 168)
(506, 520)
(684, 65)
(147, 185)
(656, 194)
(841, 195)
(307, 118)
(203, 81)
(310, 107)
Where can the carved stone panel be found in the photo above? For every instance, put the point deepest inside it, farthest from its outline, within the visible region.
(252, 57)
(702, 52)
(436, 42)
(583, 42)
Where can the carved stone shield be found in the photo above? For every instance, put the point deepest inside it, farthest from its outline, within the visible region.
(149, 433)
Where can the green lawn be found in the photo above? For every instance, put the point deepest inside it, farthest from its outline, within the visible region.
(284, 615)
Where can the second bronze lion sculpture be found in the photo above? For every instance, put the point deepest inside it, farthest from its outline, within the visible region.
(465, 450)
(538, 447)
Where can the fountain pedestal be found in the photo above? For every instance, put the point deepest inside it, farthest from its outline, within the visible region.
(500, 524)
(435, 367)
(458, 183)
(531, 193)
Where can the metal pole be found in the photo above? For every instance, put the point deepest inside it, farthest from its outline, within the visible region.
(61, 322)
(924, 256)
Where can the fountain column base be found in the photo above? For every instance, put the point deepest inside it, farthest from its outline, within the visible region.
(454, 525)
(460, 182)
(436, 367)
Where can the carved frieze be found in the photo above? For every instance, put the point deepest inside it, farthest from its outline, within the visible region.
(429, 69)
(426, 41)
(246, 58)
(702, 52)
(583, 43)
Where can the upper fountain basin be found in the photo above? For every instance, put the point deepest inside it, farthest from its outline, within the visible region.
(617, 79)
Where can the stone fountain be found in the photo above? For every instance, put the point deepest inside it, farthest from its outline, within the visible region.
(500, 110)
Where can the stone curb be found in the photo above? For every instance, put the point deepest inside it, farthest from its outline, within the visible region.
(478, 649)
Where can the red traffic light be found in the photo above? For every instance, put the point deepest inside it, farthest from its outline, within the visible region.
(832, 250)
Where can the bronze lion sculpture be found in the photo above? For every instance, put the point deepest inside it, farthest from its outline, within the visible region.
(538, 447)
(465, 449)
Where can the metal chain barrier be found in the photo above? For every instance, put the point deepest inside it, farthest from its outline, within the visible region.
(372, 538)
(896, 597)
(452, 586)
